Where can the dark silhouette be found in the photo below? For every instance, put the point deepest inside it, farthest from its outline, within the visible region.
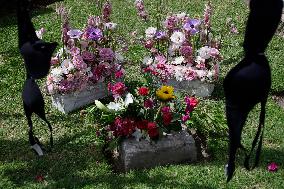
(248, 83)
(37, 55)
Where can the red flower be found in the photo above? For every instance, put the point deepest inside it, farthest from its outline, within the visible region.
(191, 103)
(122, 127)
(142, 124)
(143, 91)
(153, 131)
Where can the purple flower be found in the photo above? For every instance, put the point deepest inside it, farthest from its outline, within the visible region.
(94, 33)
(186, 51)
(106, 54)
(88, 56)
(191, 26)
(74, 34)
(160, 35)
(107, 9)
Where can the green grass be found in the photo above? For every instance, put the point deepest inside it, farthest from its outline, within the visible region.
(76, 161)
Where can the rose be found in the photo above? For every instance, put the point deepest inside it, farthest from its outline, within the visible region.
(143, 91)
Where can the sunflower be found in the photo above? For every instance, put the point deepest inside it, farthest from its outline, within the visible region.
(165, 93)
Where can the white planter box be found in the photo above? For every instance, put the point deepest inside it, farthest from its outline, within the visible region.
(178, 147)
(69, 102)
(195, 87)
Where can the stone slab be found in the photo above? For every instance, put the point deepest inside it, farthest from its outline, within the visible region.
(178, 147)
(195, 87)
(69, 102)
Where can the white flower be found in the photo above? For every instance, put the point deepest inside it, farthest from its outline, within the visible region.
(204, 52)
(179, 75)
(200, 60)
(57, 74)
(67, 66)
(178, 60)
(39, 33)
(181, 15)
(178, 38)
(210, 74)
(150, 32)
(201, 73)
(128, 99)
(148, 60)
(116, 106)
(172, 49)
(75, 33)
(110, 25)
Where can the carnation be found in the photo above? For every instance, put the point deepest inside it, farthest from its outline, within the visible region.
(143, 91)
(150, 32)
(204, 52)
(178, 38)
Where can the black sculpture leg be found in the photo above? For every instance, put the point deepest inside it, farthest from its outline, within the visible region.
(35, 145)
(236, 119)
(42, 116)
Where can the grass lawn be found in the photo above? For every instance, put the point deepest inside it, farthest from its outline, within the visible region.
(76, 161)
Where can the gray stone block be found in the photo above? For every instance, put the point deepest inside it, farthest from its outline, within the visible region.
(69, 102)
(178, 147)
(195, 87)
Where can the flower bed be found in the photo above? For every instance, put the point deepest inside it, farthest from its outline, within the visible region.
(86, 62)
(183, 50)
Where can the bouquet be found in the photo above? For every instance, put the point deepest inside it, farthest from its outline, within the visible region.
(183, 49)
(145, 112)
(87, 56)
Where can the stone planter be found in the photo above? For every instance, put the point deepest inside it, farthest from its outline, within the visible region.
(195, 87)
(69, 102)
(178, 147)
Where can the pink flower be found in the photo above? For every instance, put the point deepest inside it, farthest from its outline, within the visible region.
(166, 109)
(54, 61)
(118, 89)
(107, 11)
(272, 167)
(184, 118)
(191, 103)
(161, 59)
(119, 74)
(75, 51)
(149, 44)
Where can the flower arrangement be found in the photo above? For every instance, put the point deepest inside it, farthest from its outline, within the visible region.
(88, 56)
(183, 49)
(147, 112)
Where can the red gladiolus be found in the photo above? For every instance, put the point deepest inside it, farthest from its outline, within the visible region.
(143, 91)
(153, 131)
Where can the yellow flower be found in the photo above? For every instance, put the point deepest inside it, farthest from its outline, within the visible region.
(165, 93)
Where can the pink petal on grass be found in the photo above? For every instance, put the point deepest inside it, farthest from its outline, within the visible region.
(272, 167)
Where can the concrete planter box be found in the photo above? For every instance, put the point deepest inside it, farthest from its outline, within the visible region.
(178, 147)
(195, 87)
(69, 102)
